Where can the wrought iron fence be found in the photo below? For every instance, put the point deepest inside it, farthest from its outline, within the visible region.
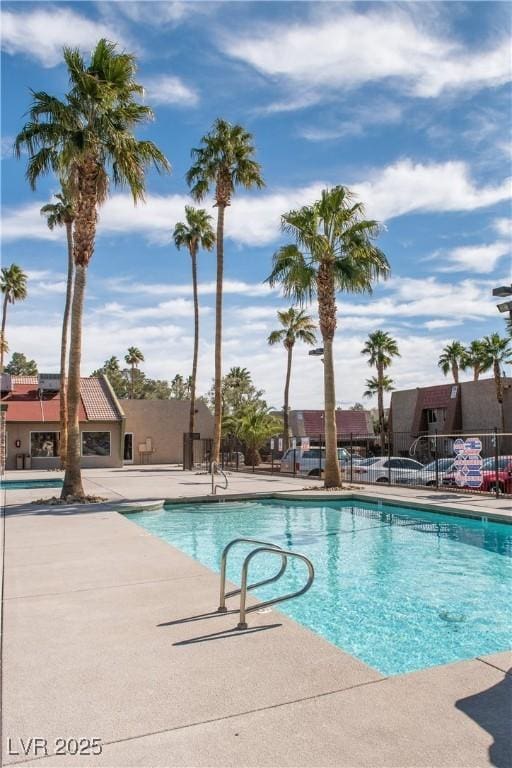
(476, 462)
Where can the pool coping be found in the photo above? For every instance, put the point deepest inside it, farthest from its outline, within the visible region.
(490, 515)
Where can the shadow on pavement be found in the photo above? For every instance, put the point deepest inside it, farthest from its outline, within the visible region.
(492, 710)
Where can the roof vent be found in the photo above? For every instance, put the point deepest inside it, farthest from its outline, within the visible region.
(49, 382)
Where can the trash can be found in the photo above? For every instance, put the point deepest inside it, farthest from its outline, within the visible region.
(19, 461)
(27, 461)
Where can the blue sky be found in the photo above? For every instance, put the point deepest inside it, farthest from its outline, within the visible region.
(407, 104)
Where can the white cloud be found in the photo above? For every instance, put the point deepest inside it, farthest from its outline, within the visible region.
(348, 48)
(432, 325)
(406, 187)
(155, 14)
(428, 297)
(503, 227)
(165, 309)
(41, 33)
(131, 285)
(475, 258)
(254, 219)
(355, 121)
(167, 89)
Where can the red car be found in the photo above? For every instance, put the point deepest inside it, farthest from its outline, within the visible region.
(489, 475)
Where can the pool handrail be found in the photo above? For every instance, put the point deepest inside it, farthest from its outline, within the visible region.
(286, 553)
(223, 564)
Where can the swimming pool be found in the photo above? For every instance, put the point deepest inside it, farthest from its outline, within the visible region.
(400, 589)
(54, 482)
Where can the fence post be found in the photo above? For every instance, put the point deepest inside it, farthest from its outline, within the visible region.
(351, 456)
(389, 461)
(496, 464)
(436, 459)
(294, 464)
(320, 455)
(272, 459)
(237, 459)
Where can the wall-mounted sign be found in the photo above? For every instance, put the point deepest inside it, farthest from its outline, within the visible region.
(304, 443)
(294, 442)
(280, 444)
(468, 462)
(272, 444)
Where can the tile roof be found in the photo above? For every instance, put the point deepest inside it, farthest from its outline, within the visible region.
(311, 423)
(25, 404)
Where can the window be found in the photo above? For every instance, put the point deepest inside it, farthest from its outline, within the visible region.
(44, 445)
(95, 443)
(411, 464)
(435, 415)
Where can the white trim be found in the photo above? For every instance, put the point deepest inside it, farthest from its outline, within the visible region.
(95, 455)
(42, 432)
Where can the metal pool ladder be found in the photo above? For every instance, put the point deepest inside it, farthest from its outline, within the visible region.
(264, 546)
(216, 467)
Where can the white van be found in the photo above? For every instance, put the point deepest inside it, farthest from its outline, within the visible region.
(309, 462)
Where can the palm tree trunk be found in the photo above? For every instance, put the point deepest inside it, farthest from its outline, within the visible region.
(132, 381)
(192, 416)
(286, 429)
(455, 372)
(73, 478)
(63, 397)
(380, 405)
(327, 317)
(218, 336)
(4, 320)
(476, 373)
(83, 248)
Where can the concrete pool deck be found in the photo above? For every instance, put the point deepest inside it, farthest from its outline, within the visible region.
(104, 636)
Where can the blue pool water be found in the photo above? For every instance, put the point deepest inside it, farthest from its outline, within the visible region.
(400, 589)
(54, 482)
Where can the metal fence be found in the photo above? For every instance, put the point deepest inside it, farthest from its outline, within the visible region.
(476, 462)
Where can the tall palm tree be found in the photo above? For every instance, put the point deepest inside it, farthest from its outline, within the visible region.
(62, 214)
(337, 255)
(133, 358)
(498, 351)
(4, 347)
(88, 137)
(296, 326)
(453, 358)
(477, 359)
(13, 284)
(224, 161)
(196, 233)
(380, 348)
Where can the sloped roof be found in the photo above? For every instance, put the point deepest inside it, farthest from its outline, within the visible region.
(26, 404)
(311, 423)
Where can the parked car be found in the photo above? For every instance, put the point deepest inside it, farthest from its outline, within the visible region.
(489, 475)
(309, 462)
(395, 469)
(427, 475)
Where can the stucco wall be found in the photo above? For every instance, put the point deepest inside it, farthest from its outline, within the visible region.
(20, 430)
(163, 422)
(480, 408)
(403, 405)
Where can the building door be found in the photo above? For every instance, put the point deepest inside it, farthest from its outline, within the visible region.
(128, 448)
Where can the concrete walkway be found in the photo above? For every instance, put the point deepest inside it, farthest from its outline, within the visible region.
(105, 636)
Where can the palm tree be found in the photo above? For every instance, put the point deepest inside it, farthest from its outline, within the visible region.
(196, 233)
(297, 326)
(13, 284)
(380, 348)
(4, 347)
(453, 358)
(498, 351)
(224, 161)
(133, 358)
(476, 359)
(337, 255)
(62, 214)
(373, 384)
(254, 424)
(88, 137)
